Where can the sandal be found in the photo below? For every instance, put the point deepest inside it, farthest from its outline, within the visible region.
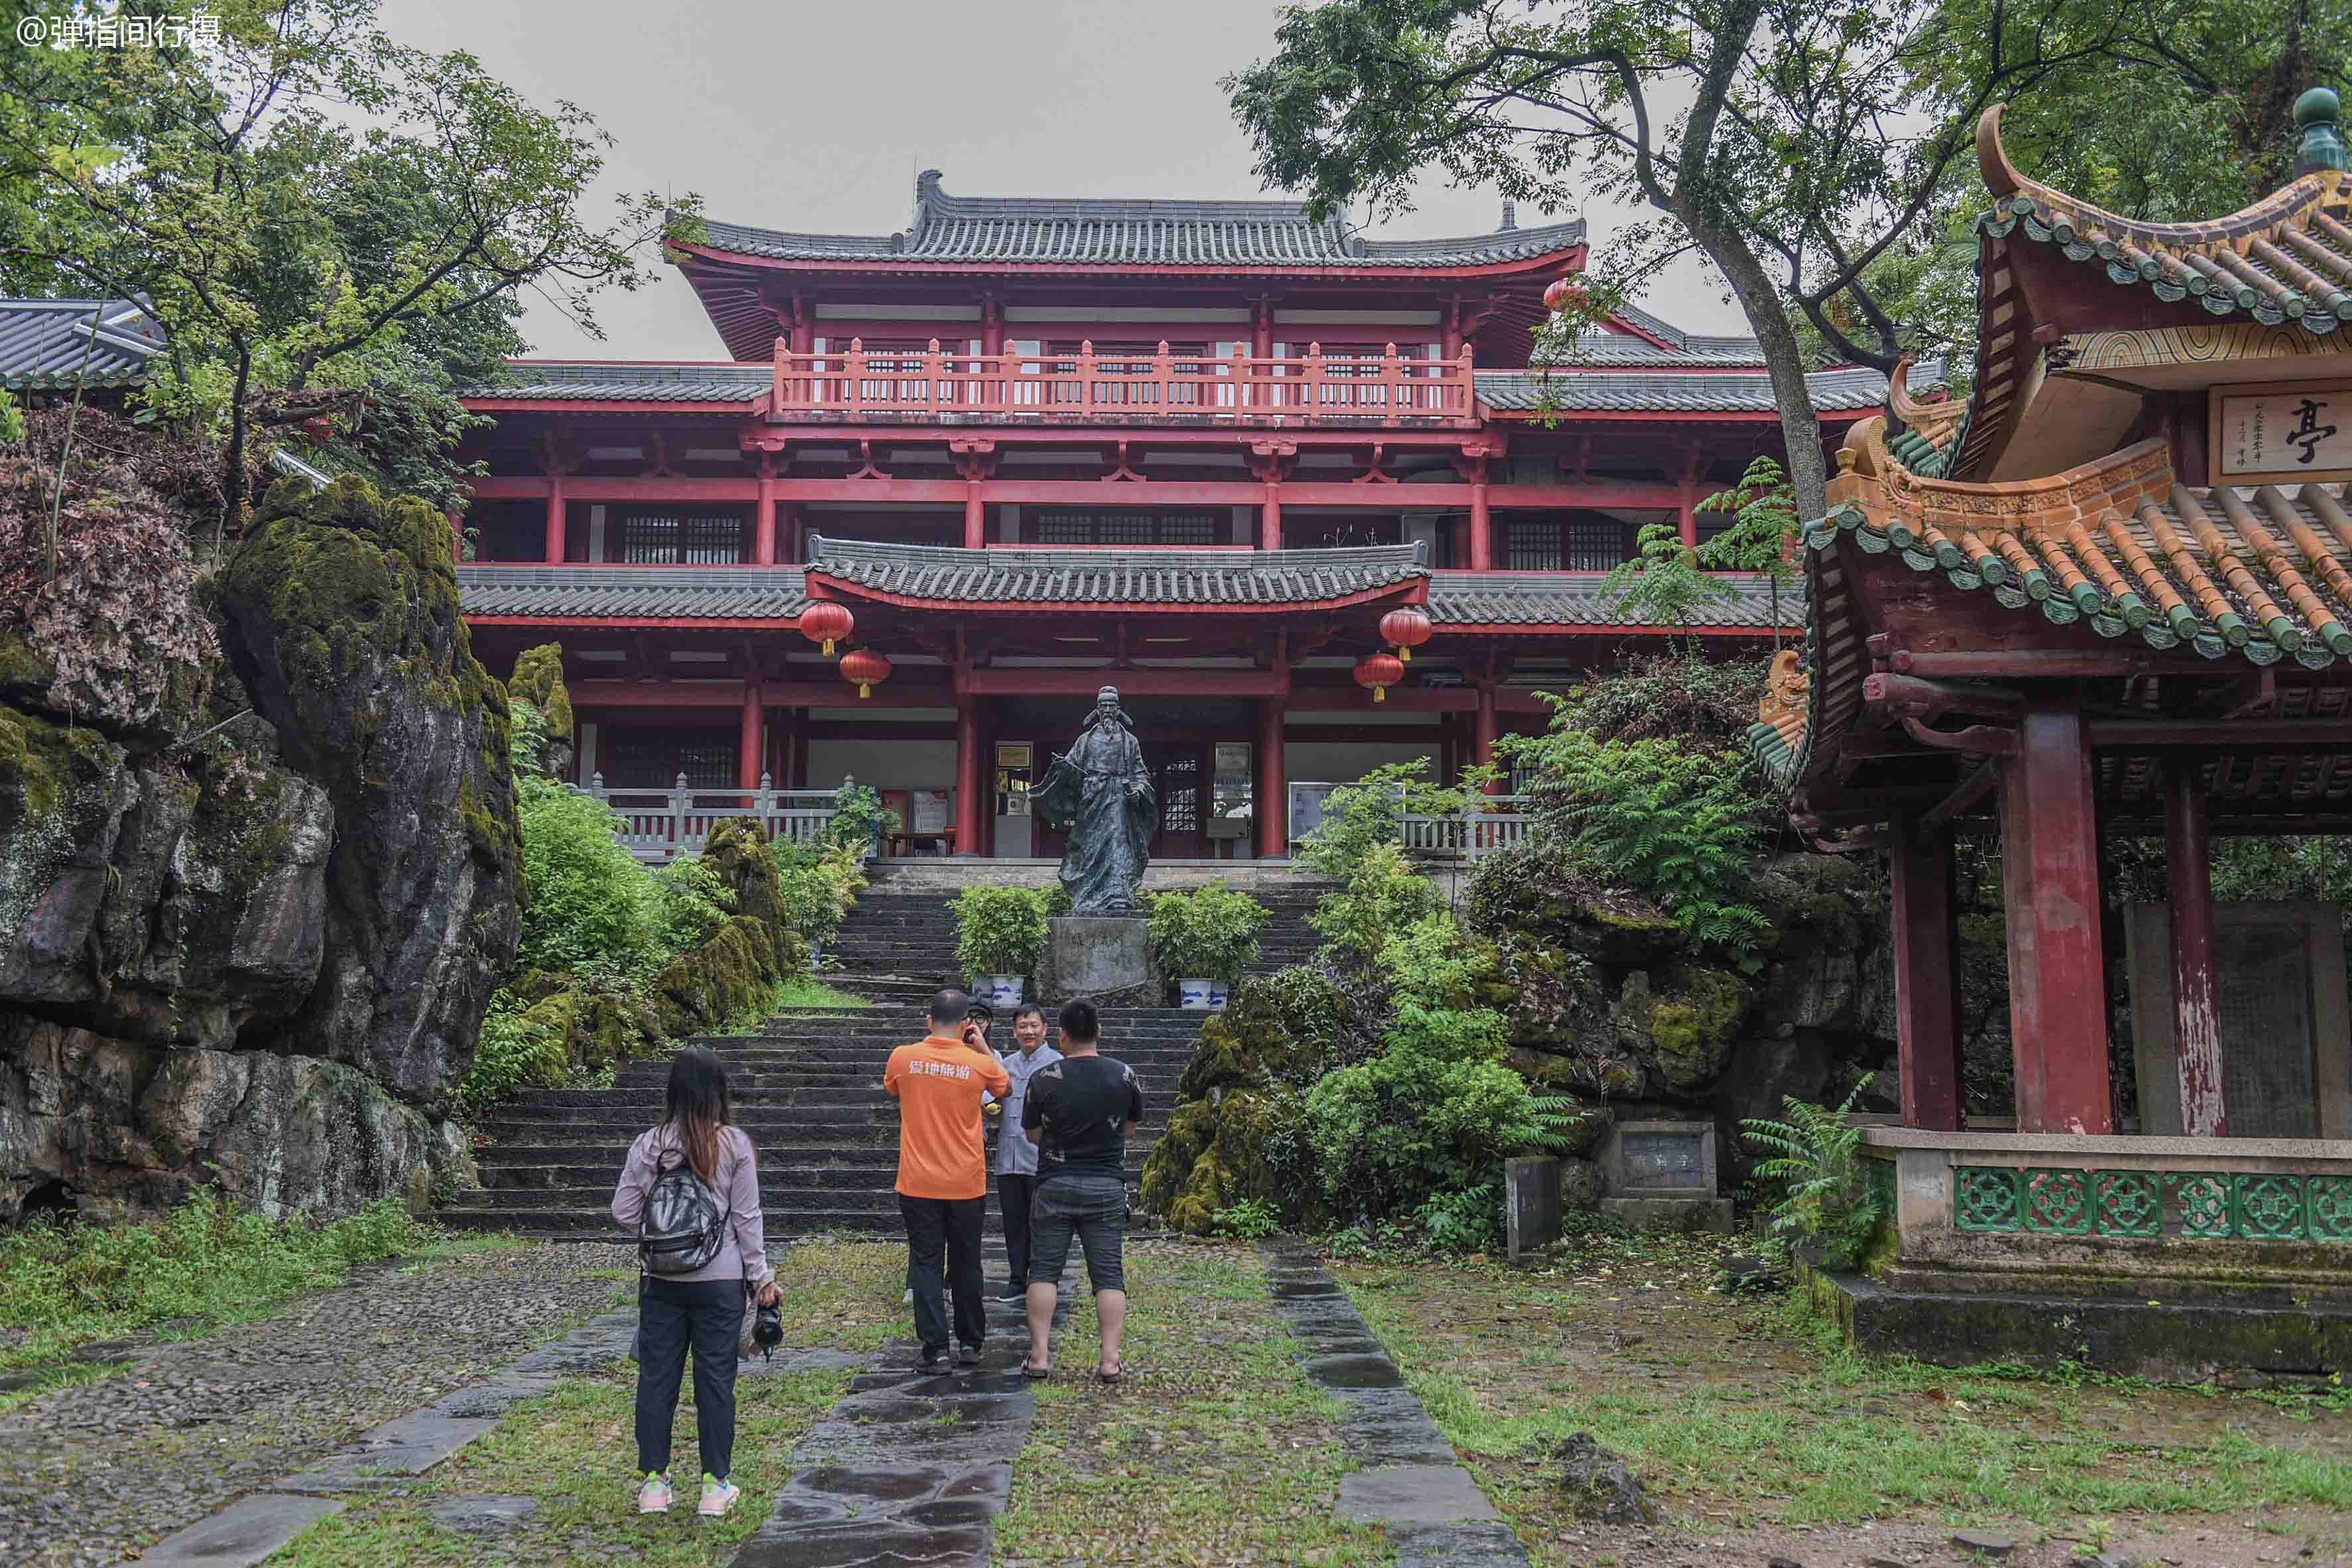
(1112, 1376)
(1033, 1373)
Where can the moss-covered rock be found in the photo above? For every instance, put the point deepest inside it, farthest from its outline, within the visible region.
(1276, 1028)
(1685, 1034)
(1230, 1142)
(538, 680)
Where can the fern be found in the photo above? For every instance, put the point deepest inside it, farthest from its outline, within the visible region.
(1560, 1118)
(1815, 1156)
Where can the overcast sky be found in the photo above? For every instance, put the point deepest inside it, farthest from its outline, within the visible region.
(818, 117)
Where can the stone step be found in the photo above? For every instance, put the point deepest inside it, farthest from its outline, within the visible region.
(782, 1223)
(875, 1172)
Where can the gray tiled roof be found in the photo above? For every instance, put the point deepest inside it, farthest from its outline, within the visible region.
(1582, 391)
(43, 343)
(1159, 233)
(589, 381)
(1226, 578)
(1559, 599)
(1623, 349)
(643, 593)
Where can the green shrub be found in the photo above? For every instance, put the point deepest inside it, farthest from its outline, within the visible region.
(1252, 1219)
(858, 818)
(1359, 816)
(999, 930)
(816, 888)
(1470, 1220)
(1677, 825)
(516, 1051)
(1825, 1195)
(1391, 1134)
(526, 739)
(691, 902)
(1208, 933)
(588, 901)
(1383, 895)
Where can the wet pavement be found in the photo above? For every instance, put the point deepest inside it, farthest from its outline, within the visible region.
(1430, 1508)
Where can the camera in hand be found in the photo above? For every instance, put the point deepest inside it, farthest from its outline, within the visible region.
(768, 1329)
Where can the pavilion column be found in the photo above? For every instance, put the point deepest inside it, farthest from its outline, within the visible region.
(1269, 518)
(2050, 876)
(2196, 996)
(968, 775)
(554, 551)
(763, 550)
(975, 517)
(1926, 976)
(1481, 528)
(1271, 786)
(751, 751)
(1482, 738)
(457, 537)
(1688, 521)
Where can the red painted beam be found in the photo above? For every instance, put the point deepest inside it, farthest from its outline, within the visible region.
(2050, 879)
(1081, 493)
(729, 694)
(1926, 976)
(990, 680)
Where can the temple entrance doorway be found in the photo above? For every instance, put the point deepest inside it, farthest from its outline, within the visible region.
(1180, 737)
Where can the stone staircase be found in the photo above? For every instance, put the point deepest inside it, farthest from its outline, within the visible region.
(808, 1089)
(808, 1086)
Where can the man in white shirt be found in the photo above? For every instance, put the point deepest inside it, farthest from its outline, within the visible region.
(1016, 1156)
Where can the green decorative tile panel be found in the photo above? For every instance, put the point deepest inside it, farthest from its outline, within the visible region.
(2204, 1200)
(2057, 1203)
(1988, 1198)
(2196, 1205)
(2270, 1208)
(2329, 1199)
(2130, 1203)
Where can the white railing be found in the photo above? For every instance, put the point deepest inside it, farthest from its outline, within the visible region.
(1498, 823)
(661, 824)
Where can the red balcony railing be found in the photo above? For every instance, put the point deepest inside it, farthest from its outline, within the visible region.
(1123, 388)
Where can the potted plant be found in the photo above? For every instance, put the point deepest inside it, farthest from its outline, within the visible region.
(1205, 939)
(1000, 938)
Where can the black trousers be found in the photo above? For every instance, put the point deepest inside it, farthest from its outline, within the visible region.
(950, 1225)
(1016, 1193)
(672, 1314)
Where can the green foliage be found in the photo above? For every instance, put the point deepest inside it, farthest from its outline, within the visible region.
(589, 904)
(1763, 533)
(691, 901)
(515, 1051)
(1209, 932)
(1677, 825)
(12, 419)
(1367, 813)
(526, 738)
(1816, 1160)
(538, 680)
(1703, 703)
(1660, 584)
(999, 930)
(317, 216)
(1393, 1132)
(1252, 1219)
(1470, 1220)
(859, 818)
(63, 1285)
(817, 887)
(1383, 895)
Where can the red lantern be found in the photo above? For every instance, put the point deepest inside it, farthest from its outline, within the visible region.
(828, 622)
(1406, 630)
(866, 668)
(1562, 293)
(1379, 671)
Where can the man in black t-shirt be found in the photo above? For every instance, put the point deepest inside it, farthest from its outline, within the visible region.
(1080, 1112)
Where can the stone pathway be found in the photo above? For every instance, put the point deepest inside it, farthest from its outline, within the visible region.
(383, 1375)
(908, 1470)
(1432, 1511)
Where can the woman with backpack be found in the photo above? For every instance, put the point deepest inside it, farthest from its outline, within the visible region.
(689, 1196)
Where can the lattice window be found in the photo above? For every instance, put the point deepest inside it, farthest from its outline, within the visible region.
(1125, 526)
(1180, 796)
(2270, 1208)
(2130, 1203)
(1988, 1198)
(1531, 546)
(2057, 1202)
(2330, 1201)
(655, 539)
(1595, 545)
(653, 762)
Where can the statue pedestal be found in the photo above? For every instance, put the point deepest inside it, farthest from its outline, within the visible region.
(1107, 959)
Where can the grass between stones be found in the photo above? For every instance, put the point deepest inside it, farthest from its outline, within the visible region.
(65, 1286)
(1215, 1448)
(1739, 1415)
(573, 1453)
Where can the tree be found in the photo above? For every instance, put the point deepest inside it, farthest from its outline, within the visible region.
(1763, 533)
(1799, 163)
(309, 209)
(1662, 585)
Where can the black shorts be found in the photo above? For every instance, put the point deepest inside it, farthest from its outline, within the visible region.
(1094, 1208)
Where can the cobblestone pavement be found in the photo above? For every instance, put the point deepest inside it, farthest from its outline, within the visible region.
(93, 1473)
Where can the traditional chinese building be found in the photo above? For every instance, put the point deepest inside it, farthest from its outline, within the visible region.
(1023, 448)
(2108, 596)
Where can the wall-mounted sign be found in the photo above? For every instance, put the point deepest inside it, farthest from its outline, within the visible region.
(2282, 433)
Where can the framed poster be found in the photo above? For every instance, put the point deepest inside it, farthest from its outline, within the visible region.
(2282, 433)
(930, 810)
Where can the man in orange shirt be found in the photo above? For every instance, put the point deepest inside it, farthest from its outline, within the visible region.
(939, 1082)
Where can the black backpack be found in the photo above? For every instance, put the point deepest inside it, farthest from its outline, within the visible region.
(684, 1223)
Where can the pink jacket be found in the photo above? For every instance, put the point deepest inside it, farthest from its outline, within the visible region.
(743, 1248)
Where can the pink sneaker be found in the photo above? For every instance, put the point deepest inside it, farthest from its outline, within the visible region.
(718, 1497)
(655, 1495)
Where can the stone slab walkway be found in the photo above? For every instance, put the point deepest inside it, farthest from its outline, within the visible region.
(1430, 1508)
(908, 1471)
(218, 1451)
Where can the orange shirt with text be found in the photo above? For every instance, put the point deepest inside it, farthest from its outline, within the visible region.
(942, 1152)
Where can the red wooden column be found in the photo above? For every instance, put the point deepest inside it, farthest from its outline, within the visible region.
(1269, 518)
(1688, 519)
(457, 537)
(968, 775)
(2196, 996)
(975, 517)
(1482, 526)
(763, 550)
(1272, 787)
(1927, 977)
(2050, 874)
(554, 551)
(751, 750)
(1482, 738)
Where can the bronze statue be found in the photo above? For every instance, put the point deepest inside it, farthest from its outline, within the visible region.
(1100, 792)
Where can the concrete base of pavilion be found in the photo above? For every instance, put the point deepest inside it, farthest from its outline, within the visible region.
(2175, 1259)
